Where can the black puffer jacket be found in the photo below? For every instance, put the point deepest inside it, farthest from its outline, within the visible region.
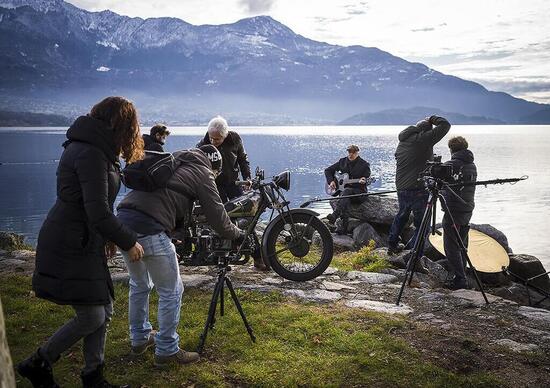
(71, 266)
(463, 164)
(414, 149)
(234, 158)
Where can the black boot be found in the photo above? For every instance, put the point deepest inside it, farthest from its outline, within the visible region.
(343, 227)
(38, 370)
(95, 379)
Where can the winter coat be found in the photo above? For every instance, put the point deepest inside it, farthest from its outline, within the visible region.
(193, 180)
(463, 164)
(234, 158)
(71, 265)
(356, 169)
(414, 149)
(151, 144)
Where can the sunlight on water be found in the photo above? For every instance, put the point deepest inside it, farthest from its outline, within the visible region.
(521, 211)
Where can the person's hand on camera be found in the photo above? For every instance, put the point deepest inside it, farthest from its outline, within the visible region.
(332, 185)
(136, 252)
(248, 185)
(363, 180)
(239, 240)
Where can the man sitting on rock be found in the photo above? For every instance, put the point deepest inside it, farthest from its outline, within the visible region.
(461, 205)
(357, 169)
(415, 147)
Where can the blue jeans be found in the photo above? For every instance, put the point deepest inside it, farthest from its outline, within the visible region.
(158, 267)
(409, 200)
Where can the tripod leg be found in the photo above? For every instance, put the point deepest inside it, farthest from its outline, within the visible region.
(221, 302)
(209, 324)
(240, 309)
(418, 244)
(462, 246)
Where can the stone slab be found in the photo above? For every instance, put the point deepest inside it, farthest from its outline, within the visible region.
(516, 346)
(371, 277)
(534, 313)
(381, 307)
(333, 286)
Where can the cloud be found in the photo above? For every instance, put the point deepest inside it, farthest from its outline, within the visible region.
(425, 29)
(321, 19)
(257, 6)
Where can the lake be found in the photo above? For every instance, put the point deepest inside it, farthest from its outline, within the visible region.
(29, 160)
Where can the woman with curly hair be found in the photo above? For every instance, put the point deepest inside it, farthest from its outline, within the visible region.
(80, 233)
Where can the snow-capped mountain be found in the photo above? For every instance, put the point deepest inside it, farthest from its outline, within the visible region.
(52, 47)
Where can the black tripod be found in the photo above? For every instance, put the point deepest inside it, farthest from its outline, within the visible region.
(434, 186)
(223, 279)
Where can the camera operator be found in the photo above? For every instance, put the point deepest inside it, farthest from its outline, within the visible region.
(153, 216)
(156, 138)
(462, 160)
(415, 147)
(234, 157)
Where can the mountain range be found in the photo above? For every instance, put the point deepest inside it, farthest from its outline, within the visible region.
(58, 58)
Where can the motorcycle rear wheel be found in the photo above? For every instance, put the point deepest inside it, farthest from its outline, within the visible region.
(299, 247)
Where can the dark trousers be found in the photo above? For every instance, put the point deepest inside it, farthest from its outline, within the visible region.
(343, 205)
(453, 252)
(409, 201)
(90, 325)
(229, 191)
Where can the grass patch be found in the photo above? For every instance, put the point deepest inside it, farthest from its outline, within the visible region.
(297, 345)
(363, 260)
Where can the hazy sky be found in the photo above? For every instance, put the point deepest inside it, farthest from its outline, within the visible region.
(504, 45)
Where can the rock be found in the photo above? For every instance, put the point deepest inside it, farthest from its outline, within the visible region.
(120, 277)
(10, 241)
(399, 260)
(381, 307)
(475, 297)
(23, 254)
(342, 243)
(371, 277)
(332, 286)
(434, 270)
(431, 297)
(330, 271)
(494, 279)
(493, 232)
(195, 280)
(252, 287)
(376, 209)
(272, 280)
(534, 313)
(527, 266)
(363, 233)
(318, 296)
(516, 346)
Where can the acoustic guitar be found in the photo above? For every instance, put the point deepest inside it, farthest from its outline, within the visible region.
(343, 180)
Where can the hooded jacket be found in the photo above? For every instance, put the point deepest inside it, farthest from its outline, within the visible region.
(151, 144)
(71, 265)
(414, 149)
(463, 164)
(192, 180)
(234, 158)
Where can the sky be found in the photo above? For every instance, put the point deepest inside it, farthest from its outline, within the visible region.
(502, 44)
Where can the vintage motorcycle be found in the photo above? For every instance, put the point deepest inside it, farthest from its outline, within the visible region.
(295, 243)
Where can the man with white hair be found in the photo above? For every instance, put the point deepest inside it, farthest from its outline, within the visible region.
(234, 157)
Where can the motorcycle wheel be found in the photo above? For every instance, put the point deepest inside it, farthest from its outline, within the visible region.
(299, 250)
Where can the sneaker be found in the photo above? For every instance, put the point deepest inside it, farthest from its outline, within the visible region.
(140, 349)
(395, 250)
(181, 357)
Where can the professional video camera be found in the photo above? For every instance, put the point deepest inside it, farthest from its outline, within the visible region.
(437, 170)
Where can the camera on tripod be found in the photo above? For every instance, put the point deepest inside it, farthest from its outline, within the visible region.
(437, 170)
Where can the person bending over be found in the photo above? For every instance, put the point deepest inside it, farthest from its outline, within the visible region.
(357, 169)
(415, 148)
(154, 216)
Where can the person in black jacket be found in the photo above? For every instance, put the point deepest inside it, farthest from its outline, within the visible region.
(461, 206)
(415, 148)
(356, 168)
(156, 138)
(78, 235)
(233, 155)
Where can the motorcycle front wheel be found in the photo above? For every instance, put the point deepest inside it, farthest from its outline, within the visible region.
(299, 247)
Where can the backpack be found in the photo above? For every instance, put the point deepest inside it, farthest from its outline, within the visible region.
(150, 173)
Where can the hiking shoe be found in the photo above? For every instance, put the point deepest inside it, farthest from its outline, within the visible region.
(395, 250)
(38, 370)
(181, 357)
(140, 349)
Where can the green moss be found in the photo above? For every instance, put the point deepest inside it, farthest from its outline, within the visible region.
(297, 344)
(363, 260)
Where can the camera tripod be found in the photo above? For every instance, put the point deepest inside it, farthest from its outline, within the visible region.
(223, 279)
(434, 187)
